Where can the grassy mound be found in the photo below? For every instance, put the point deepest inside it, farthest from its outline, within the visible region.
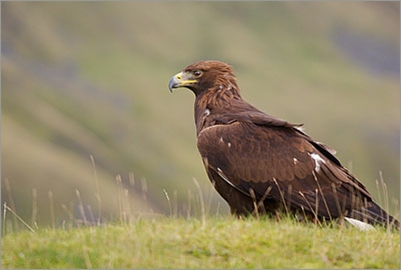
(215, 242)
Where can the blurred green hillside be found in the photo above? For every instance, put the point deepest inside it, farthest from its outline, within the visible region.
(90, 79)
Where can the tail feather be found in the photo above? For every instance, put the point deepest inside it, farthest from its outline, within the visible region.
(374, 214)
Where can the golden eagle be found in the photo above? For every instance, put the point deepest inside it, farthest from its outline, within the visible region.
(261, 164)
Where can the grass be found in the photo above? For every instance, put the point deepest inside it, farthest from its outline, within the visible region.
(218, 242)
(202, 239)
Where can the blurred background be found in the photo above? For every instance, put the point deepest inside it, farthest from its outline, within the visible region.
(89, 126)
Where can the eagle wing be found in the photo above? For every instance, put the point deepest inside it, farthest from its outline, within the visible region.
(272, 159)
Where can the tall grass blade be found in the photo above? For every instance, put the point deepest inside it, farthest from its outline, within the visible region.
(81, 207)
(189, 204)
(120, 197)
(51, 205)
(255, 205)
(168, 201)
(18, 217)
(144, 185)
(321, 192)
(34, 207)
(69, 213)
(202, 203)
(11, 199)
(98, 198)
(282, 197)
(4, 218)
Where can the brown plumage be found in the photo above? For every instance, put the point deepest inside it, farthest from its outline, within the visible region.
(262, 164)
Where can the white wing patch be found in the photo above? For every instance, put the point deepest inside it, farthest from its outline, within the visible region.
(317, 160)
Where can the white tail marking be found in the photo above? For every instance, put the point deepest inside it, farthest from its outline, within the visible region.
(359, 224)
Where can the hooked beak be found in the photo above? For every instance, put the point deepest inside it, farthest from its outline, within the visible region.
(180, 80)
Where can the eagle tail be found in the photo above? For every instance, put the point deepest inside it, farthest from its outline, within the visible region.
(374, 214)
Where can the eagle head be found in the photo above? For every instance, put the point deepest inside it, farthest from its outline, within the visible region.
(204, 75)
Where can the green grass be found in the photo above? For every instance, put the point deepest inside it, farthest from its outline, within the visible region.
(217, 242)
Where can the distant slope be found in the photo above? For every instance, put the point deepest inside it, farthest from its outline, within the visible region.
(81, 79)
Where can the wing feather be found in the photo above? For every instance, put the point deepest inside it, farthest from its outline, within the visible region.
(253, 157)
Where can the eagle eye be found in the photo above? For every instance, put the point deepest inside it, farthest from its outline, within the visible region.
(197, 72)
